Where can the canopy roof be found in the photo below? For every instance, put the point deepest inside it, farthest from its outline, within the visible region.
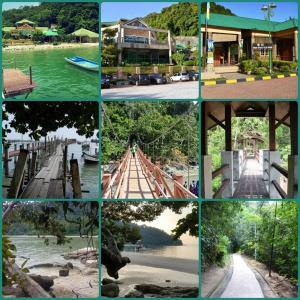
(50, 32)
(246, 109)
(84, 32)
(248, 23)
(24, 21)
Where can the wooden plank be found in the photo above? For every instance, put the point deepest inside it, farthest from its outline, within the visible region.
(216, 121)
(75, 179)
(18, 174)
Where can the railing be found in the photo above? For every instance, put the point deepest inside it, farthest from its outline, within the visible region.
(115, 181)
(225, 182)
(159, 178)
(283, 172)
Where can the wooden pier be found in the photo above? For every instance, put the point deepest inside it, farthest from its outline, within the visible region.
(15, 82)
(51, 178)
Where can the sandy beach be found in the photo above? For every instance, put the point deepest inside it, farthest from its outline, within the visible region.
(48, 46)
(151, 269)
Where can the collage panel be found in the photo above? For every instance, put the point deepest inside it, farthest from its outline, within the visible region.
(50, 249)
(249, 249)
(249, 149)
(150, 150)
(249, 50)
(150, 249)
(50, 50)
(149, 50)
(51, 150)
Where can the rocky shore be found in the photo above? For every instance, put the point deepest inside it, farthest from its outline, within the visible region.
(78, 278)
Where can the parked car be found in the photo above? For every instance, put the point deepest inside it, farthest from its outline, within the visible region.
(180, 77)
(193, 75)
(157, 79)
(105, 81)
(139, 79)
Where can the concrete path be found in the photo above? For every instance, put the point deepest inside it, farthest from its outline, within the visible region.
(284, 88)
(243, 283)
(176, 90)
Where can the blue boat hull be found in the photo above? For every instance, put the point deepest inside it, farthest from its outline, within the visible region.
(83, 63)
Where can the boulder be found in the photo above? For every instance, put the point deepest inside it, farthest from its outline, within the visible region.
(13, 292)
(107, 281)
(69, 265)
(110, 290)
(64, 272)
(46, 282)
(135, 294)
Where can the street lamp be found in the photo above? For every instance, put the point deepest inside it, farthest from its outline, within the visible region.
(268, 10)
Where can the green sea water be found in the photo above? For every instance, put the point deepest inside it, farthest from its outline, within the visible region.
(55, 78)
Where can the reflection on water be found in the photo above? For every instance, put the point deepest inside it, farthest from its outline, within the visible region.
(184, 251)
(35, 248)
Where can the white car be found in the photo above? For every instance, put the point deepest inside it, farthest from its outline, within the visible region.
(180, 77)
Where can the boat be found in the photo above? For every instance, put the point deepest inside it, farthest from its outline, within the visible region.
(90, 159)
(83, 63)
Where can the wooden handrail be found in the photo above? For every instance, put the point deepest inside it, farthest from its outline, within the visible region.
(280, 169)
(219, 171)
(219, 192)
(279, 189)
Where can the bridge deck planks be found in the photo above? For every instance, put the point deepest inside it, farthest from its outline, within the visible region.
(135, 184)
(251, 183)
(47, 183)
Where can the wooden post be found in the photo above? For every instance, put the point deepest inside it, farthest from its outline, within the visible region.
(294, 127)
(228, 140)
(33, 164)
(18, 175)
(65, 165)
(28, 168)
(177, 191)
(75, 179)
(272, 133)
(105, 183)
(30, 74)
(6, 169)
(15, 149)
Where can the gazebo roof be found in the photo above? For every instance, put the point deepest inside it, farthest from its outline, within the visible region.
(246, 109)
(25, 21)
(50, 32)
(82, 32)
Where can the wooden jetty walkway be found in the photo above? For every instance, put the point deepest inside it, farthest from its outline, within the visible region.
(15, 82)
(54, 179)
(139, 178)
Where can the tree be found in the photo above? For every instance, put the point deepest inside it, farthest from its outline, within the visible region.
(178, 57)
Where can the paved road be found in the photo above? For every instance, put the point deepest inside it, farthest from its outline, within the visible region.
(243, 283)
(176, 90)
(284, 88)
(172, 263)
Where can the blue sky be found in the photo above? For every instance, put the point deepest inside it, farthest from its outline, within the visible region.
(283, 11)
(10, 5)
(114, 11)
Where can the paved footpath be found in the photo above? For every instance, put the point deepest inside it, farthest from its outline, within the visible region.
(176, 90)
(243, 283)
(284, 88)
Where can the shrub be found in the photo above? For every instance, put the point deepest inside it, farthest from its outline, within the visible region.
(285, 69)
(246, 66)
(260, 71)
(189, 63)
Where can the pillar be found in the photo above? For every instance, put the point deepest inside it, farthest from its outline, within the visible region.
(206, 164)
(296, 44)
(228, 139)
(274, 49)
(227, 158)
(170, 47)
(265, 165)
(272, 133)
(119, 42)
(149, 37)
(239, 48)
(274, 156)
(252, 42)
(237, 164)
(228, 54)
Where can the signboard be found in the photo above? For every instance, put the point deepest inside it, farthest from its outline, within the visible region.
(210, 45)
(210, 57)
(260, 46)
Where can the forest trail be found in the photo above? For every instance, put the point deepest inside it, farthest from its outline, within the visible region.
(243, 283)
(251, 184)
(135, 184)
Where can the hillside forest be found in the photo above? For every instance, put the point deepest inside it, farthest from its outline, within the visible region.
(166, 131)
(67, 16)
(266, 231)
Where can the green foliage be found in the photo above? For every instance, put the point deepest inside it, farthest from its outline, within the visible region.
(180, 18)
(178, 57)
(217, 9)
(109, 56)
(39, 118)
(67, 16)
(144, 122)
